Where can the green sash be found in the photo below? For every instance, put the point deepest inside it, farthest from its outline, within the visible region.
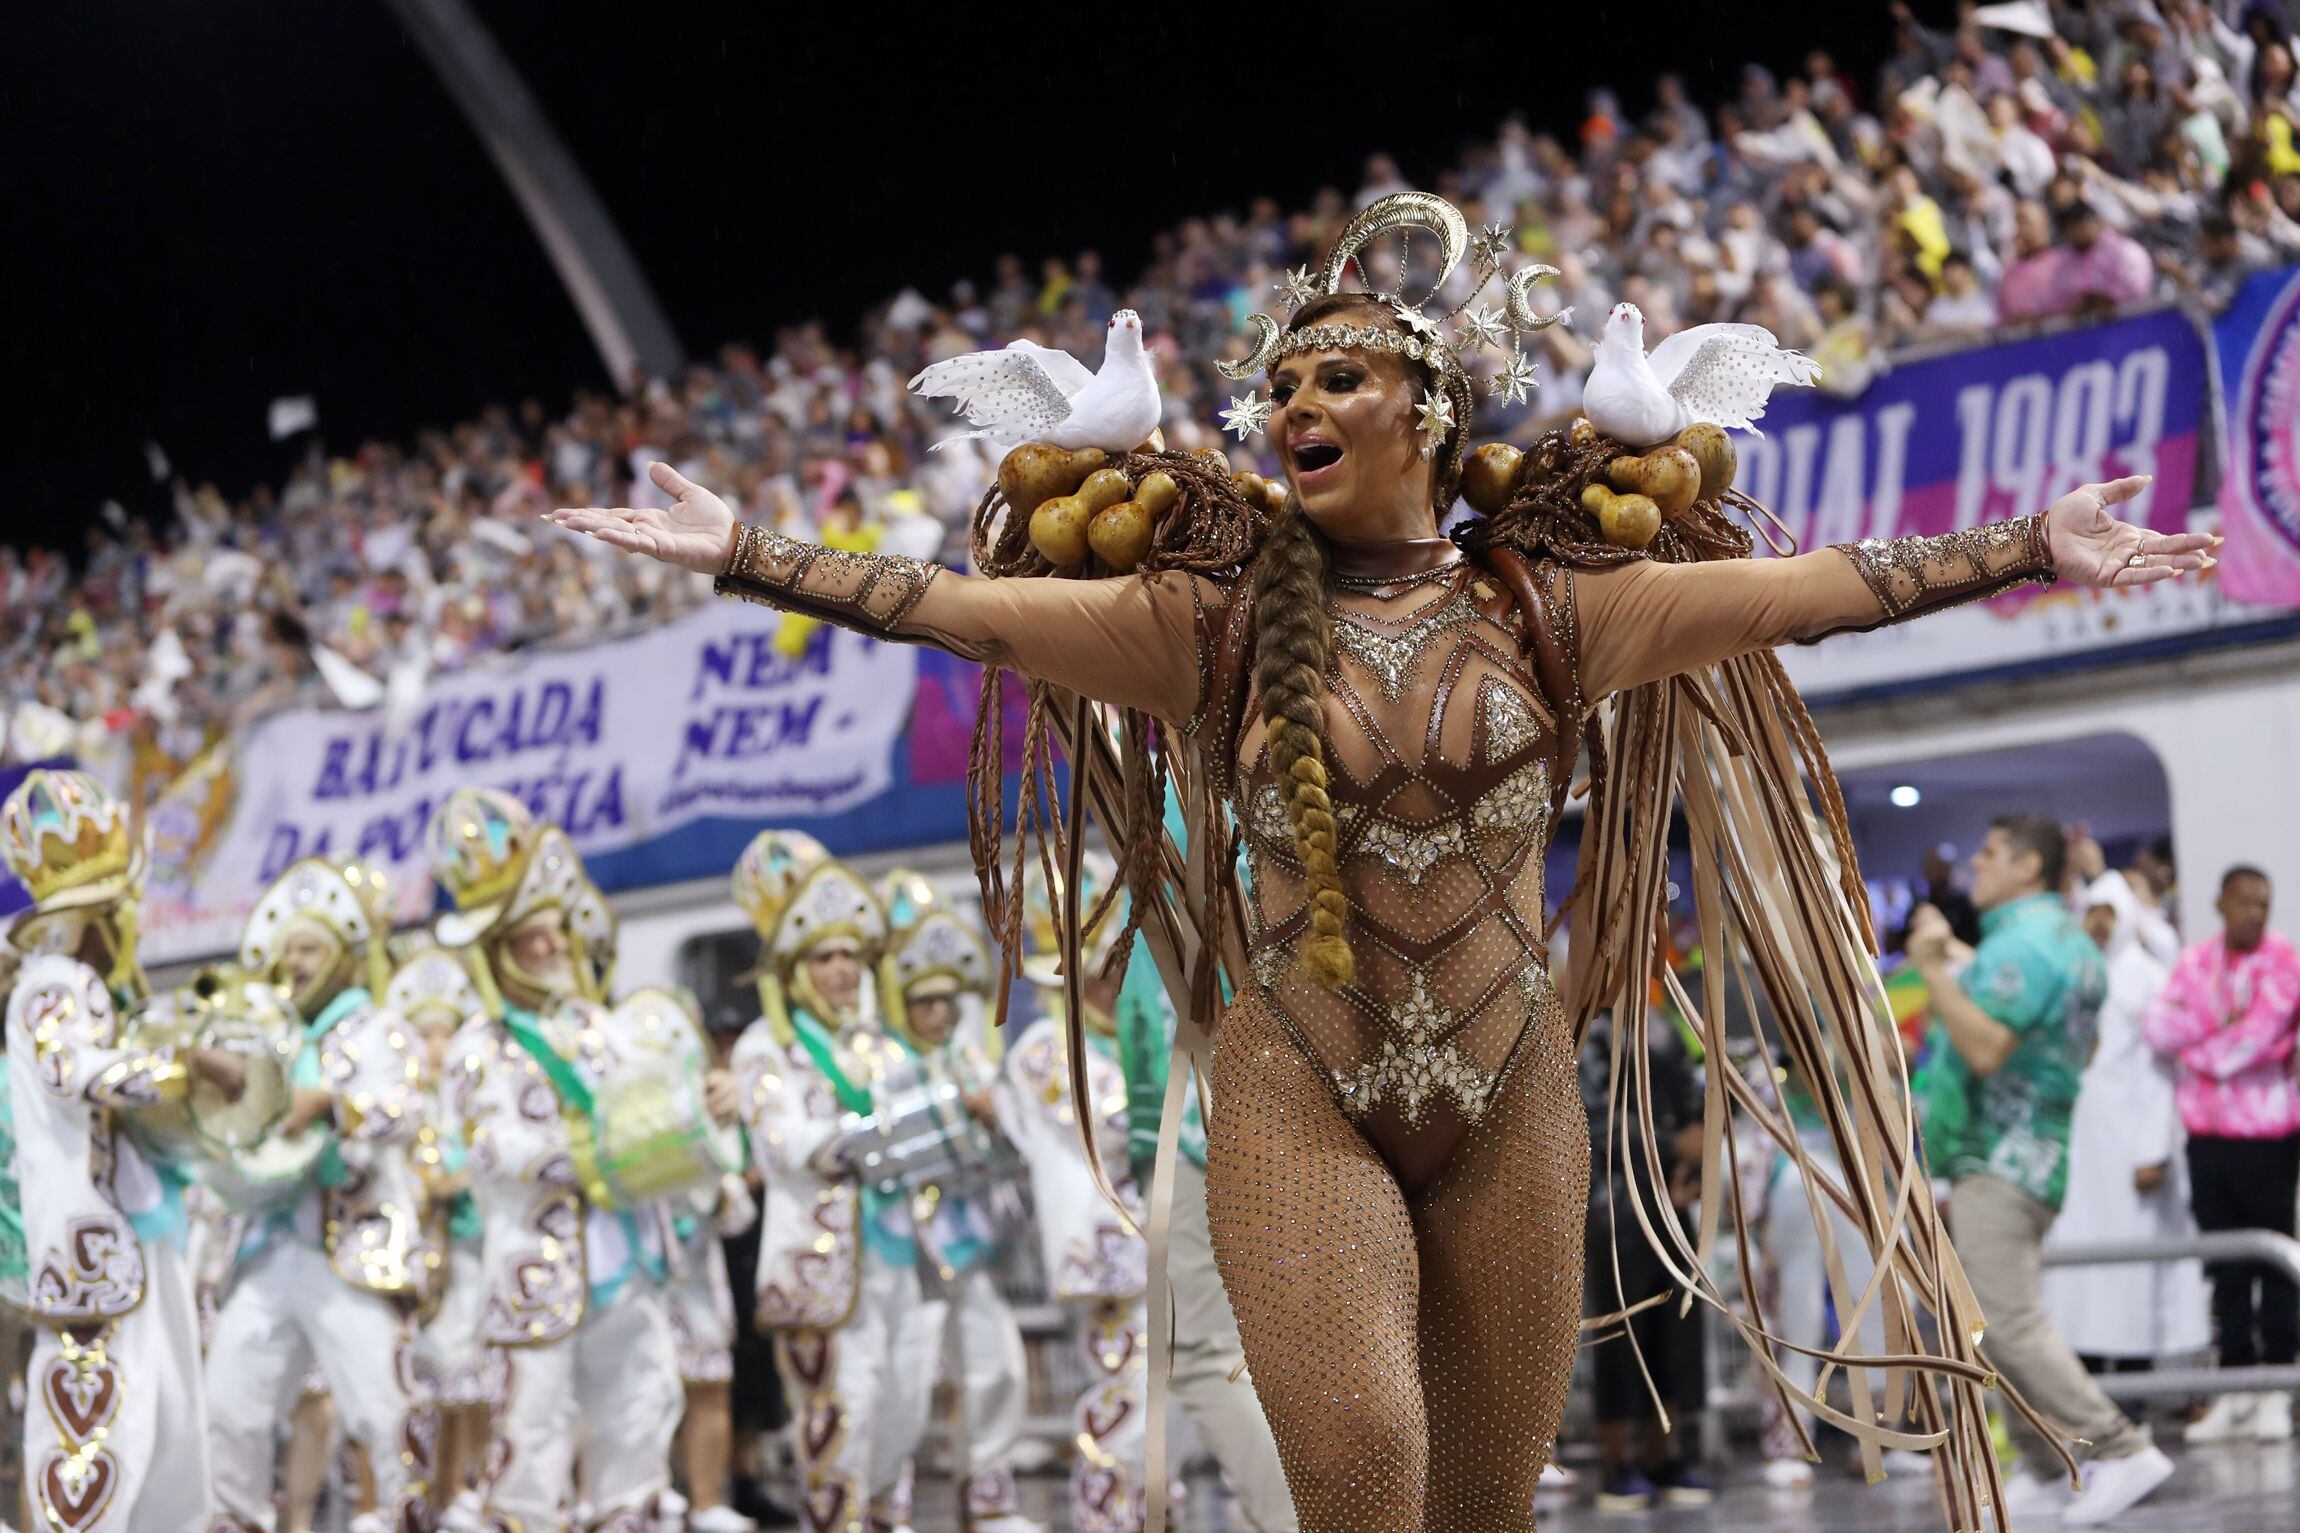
(816, 1040)
(574, 1091)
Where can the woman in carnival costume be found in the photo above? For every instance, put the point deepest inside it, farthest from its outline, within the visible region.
(1398, 1159)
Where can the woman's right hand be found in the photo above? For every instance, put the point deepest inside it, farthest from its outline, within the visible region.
(693, 533)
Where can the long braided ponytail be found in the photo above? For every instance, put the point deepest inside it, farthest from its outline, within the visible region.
(1290, 642)
(1291, 635)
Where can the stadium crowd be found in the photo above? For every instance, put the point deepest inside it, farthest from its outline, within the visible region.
(2032, 163)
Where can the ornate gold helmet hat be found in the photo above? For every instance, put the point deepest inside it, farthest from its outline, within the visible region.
(799, 897)
(349, 904)
(1416, 335)
(480, 841)
(930, 951)
(500, 867)
(768, 873)
(73, 847)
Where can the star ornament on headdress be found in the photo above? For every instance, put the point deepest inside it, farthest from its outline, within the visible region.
(1414, 321)
(1249, 415)
(1434, 420)
(1480, 326)
(1489, 245)
(1515, 381)
(1296, 287)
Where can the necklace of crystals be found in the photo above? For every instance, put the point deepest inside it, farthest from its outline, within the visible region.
(1396, 585)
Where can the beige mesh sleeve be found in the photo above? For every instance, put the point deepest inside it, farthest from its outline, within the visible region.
(1129, 640)
(1644, 621)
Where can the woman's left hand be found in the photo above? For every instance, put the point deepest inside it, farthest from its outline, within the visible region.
(2092, 548)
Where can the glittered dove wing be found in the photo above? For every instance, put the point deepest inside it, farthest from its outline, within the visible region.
(1069, 374)
(1725, 373)
(1019, 394)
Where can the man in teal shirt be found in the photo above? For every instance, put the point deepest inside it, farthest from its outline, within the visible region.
(2013, 1029)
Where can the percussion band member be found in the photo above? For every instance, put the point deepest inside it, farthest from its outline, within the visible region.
(123, 1445)
(838, 1284)
(329, 1272)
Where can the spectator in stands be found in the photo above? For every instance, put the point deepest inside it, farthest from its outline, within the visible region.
(2227, 1020)
(2224, 256)
(2016, 1022)
(2024, 291)
(2134, 120)
(1960, 311)
(2026, 160)
(1816, 251)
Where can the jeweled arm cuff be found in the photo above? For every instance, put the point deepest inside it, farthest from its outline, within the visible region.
(869, 593)
(1916, 575)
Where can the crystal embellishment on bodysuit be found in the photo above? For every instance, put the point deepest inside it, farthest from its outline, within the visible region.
(1269, 818)
(1271, 966)
(1411, 849)
(1518, 805)
(1395, 659)
(1415, 1066)
(1510, 726)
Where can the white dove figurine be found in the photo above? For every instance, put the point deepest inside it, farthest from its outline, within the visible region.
(1032, 393)
(1722, 374)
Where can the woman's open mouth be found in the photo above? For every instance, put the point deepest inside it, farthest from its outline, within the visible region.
(1314, 458)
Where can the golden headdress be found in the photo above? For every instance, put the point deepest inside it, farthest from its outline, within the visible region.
(1416, 334)
(351, 903)
(500, 867)
(69, 842)
(798, 896)
(929, 950)
(74, 848)
(480, 843)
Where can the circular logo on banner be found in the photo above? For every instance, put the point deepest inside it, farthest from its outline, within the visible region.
(2264, 417)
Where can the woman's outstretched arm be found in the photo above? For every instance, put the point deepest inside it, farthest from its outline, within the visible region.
(1128, 640)
(1644, 621)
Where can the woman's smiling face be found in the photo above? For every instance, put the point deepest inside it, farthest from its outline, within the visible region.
(1344, 430)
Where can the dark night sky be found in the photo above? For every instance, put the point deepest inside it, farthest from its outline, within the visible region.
(212, 204)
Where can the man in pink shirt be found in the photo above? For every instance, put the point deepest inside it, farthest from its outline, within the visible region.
(2227, 1019)
(2093, 270)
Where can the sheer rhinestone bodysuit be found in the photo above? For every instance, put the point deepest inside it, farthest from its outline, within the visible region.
(1431, 1104)
(1442, 761)
(1397, 1172)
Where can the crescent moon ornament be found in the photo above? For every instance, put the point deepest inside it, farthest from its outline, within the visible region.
(1400, 210)
(1257, 361)
(1519, 290)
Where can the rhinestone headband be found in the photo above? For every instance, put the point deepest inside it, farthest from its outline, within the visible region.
(1477, 325)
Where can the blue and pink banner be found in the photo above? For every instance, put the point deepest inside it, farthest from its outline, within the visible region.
(1976, 436)
(2258, 351)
